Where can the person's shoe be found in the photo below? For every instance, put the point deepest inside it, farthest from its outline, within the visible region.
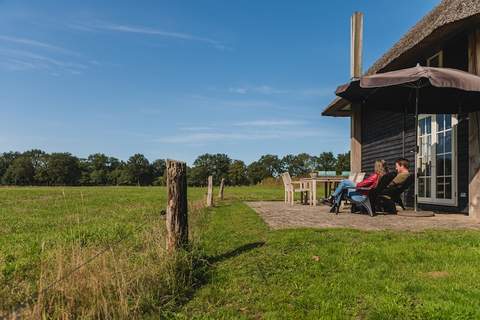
(333, 209)
(329, 201)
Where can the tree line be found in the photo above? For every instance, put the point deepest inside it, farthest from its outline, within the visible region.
(36, 167)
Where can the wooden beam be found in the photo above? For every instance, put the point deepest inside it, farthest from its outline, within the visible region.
(222, 187)
(474, 132)
(177, 206)
(356, 139)
(356, 44)
(210, 192)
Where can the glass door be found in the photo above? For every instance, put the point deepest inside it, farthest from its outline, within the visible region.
(436, 159)
(424, 158)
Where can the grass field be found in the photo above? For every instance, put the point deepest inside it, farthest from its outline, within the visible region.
(237, 267)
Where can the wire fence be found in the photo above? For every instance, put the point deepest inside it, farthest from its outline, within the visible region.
(16, 312)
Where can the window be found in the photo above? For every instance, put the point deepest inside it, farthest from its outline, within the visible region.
(436, 60)
(436, 159)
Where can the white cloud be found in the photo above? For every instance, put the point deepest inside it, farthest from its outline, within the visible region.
(143, 30)
(269, 90)
(211, 137)
(35, 43)
(238, 90)
(196, 128)
(27, 60)
(216, 136)
(269, 123)
(266, 90)
(232, 103)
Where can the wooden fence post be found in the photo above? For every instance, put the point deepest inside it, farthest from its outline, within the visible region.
(222, 187)
(210, 192)
(177, 205)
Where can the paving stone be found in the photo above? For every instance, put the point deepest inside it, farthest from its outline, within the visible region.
(279, 215)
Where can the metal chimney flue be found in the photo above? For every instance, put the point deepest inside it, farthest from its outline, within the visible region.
(356, 44)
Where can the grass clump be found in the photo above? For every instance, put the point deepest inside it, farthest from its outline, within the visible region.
(123, 283)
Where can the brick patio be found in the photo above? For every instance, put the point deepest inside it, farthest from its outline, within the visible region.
(279, 215)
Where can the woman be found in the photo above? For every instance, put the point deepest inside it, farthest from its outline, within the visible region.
(380, 168)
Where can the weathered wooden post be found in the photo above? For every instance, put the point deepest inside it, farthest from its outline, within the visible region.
(222, 187)
(210, 192)
(177, 205)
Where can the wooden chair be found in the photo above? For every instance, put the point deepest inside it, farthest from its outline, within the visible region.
(290, 189)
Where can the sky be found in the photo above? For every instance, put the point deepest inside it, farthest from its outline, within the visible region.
(176, 79)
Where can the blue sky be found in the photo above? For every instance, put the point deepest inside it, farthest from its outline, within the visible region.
(175, 79)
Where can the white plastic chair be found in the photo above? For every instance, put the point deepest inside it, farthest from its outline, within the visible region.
(290, 188)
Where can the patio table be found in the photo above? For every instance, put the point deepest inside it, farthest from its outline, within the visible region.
(311, 184)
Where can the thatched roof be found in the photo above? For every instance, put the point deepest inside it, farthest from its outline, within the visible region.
(446, 12)
(443, 20)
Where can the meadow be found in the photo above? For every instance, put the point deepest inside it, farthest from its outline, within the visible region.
(236, 267)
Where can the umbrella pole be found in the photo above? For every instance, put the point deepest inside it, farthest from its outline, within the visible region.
(415, 199)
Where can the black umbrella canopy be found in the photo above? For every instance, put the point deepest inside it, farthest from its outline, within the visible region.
(440, 90)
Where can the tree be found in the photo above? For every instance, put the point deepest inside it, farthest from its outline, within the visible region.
(257, 172)
(20, 172)
(326, 161)
(158, 168)
(139, 170)
(38, 158)
(99, 168)
(6, 160)
(197, 176)
(343, 162)
(60, 169)
(237, 173)
(298, 165)
(216, 165)
(272, 164)
(119, 175)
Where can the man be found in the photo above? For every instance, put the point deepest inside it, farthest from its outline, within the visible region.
(396, 185)
(401, 166)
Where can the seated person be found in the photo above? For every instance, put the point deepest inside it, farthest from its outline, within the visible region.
(380, 168)
(396, 186)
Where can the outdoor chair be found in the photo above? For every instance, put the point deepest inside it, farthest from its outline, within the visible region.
(290, 188)
(355, 177)
(359, 176)
(362, 202)
(388, 202)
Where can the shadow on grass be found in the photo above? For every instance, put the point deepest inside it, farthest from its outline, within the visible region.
(204, 268)
(236, 252)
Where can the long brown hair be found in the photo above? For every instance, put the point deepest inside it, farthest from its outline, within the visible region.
(380, 167)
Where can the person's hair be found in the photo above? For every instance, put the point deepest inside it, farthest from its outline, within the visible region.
(402, 162)
(380, 167)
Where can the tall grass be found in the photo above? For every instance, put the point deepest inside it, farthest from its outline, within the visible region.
(130, 281)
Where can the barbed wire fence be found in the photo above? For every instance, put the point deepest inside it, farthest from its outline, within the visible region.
(16, 312)
(178, 179)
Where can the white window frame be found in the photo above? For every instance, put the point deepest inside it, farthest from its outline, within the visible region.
(433, 187)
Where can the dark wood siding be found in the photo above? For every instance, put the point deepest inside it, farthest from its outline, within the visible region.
(382, 132)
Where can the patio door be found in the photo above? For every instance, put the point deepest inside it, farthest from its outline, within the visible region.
(437, 160)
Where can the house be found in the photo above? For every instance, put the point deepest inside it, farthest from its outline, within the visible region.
(449, 159)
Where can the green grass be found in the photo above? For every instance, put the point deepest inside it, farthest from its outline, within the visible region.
(334, 274)
(245, 269)
(36, 221)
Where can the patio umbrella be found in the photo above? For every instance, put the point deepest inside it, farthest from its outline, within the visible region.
(416, 90)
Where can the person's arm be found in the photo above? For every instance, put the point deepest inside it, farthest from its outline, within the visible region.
(368, 182)
(396, 182)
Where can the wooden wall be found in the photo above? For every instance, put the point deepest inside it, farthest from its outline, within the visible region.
(382, 132)
(356, 139)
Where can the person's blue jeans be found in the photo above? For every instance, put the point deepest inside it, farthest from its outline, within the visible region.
(344, 184)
